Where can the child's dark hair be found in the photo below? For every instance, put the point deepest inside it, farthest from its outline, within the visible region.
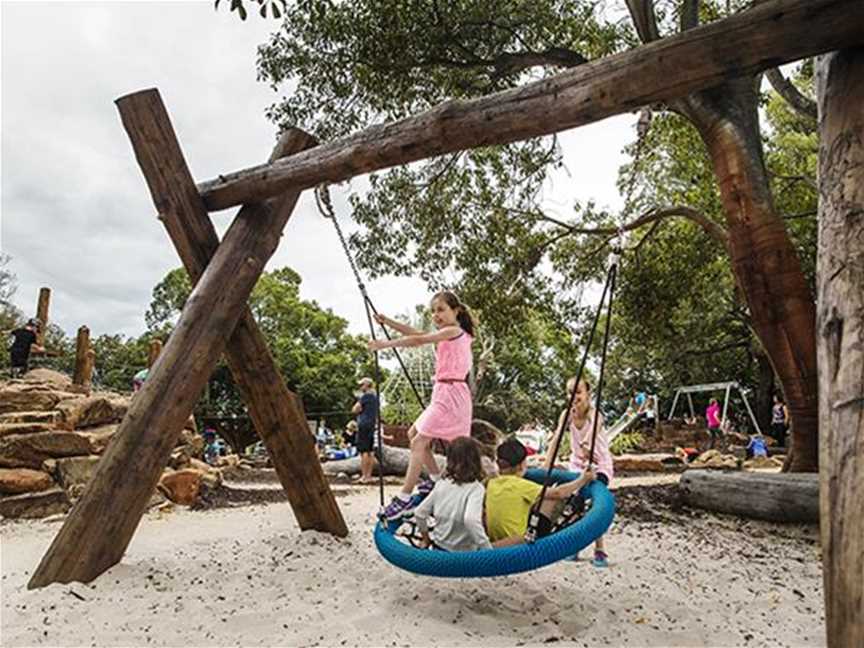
(463, 461)
(463, 315)
(510, 453)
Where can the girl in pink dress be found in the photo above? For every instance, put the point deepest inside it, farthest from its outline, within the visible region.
(581, 429)
(448, 415)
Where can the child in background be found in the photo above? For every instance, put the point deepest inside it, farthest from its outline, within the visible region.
(448, 415)
(581, 432)
(456, 502)
(510, 497)
(24, 341)
(757, 446)
(211, 448)
(712, 416)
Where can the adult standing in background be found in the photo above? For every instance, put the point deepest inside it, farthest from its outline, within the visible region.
(779, 420)
(366, 411)
(23, 342)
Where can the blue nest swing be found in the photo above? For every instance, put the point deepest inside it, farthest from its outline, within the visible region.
(507, 560)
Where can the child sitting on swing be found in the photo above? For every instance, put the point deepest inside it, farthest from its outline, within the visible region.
(448, 415)
(456, 503)
(510, 497)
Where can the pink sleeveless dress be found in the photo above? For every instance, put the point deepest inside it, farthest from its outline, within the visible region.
(448, 415)
(602, 455)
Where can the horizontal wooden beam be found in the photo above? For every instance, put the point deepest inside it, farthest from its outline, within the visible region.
(768, 35)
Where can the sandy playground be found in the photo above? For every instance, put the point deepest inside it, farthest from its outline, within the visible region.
(246, 576)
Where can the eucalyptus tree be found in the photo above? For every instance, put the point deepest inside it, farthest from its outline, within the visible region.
(474, 217)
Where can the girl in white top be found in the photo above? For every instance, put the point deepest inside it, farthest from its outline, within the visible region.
(456, 502)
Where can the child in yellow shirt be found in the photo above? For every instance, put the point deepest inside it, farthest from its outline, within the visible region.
(509, 497)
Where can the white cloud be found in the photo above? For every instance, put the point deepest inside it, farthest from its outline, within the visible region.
(76, 214)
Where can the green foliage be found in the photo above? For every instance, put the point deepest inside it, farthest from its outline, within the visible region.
(319, 359)
(626, 442)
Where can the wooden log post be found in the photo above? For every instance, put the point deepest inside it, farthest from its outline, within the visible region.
(87, 373)
(276, 412)
(784, 497)
(154, 351)
(82, 346)
(771, 33)
(42, 314)
(95, 535)
(840, 341)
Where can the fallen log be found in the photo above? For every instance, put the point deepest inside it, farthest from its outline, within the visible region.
(395, 463)
(781, 497)
(771, 33)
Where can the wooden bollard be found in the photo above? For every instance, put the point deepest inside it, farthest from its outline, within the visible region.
(82, 346)
(42, 314)
(155, 350)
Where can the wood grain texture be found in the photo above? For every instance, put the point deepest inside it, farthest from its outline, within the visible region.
(840, 341)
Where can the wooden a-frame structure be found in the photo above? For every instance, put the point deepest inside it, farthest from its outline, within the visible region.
(216, 319)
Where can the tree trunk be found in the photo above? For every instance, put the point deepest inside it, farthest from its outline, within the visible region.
(763, 259)
(774, 497)
(840, 343)
(764, 399)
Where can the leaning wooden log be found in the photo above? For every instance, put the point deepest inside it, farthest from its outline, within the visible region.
(778, 497)
(395, 463)
(772, 33)
(42, 306)
(95, 535)
(276, 412)
(840, 331)
(82, 346)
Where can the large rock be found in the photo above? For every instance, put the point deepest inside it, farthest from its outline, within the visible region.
(55, 379)
(35, 505)
(717, 460)
(23, 428)
(30, 450)
(47, 417)
(73, 471)
(99, 437)
(18, 396)
(91, 411)
(23, 480)
(181, 486)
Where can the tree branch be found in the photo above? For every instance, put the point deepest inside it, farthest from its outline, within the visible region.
(802, 104)
(642, 13)
(514, 62)
(716, 231)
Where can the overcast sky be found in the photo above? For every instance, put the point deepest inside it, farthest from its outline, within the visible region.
(76, 214)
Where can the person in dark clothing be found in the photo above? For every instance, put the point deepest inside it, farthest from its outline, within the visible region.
(366, 410)
(24, 341)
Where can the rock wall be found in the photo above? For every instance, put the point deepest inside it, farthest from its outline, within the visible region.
(52, 438)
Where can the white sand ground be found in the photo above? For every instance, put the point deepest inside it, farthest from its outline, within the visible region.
(247, 577)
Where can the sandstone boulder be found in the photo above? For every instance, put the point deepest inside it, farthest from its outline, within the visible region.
(74, 471)
(99, 437)
(19, 396)
(55, 379)
(716, 459)
(47, 417)
(90, 411)
(24, 480)
(30, 450)
(24, 428)
(35, 505)
(181, 486)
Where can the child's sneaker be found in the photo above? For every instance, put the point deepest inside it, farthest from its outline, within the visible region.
(425, 487)
(573, 558)
(398, 508)
(600, 559)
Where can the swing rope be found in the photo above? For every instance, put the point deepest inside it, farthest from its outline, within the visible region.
(325, 207)
(608, 288)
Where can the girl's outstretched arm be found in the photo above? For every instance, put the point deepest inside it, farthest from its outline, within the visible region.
(400, 327)
(446, 333)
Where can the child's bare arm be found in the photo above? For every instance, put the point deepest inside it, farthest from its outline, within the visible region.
(566, 490)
